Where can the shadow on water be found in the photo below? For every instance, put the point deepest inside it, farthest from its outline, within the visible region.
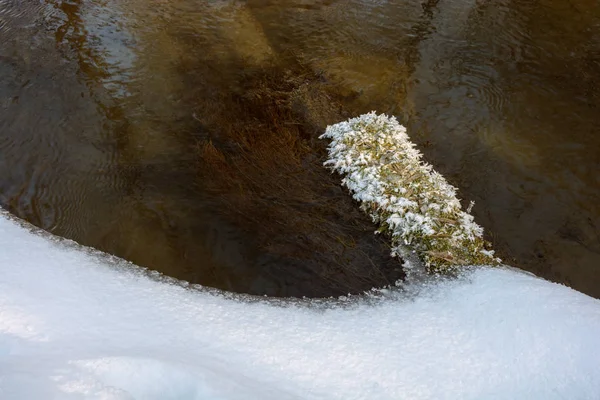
(149, 191)
(182, 135)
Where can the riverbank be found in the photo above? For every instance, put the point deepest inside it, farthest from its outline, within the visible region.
(78, 324)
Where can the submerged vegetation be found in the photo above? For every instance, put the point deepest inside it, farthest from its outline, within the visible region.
(410, 201)
(260, 156)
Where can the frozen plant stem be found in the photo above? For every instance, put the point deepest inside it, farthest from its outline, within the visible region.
(410, 201)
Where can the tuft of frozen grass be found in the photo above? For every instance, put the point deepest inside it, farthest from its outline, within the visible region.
(410, 201)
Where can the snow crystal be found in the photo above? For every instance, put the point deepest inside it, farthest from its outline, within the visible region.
(75, 324)
(416, 206)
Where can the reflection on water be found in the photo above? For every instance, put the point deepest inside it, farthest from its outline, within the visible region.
(104, 104)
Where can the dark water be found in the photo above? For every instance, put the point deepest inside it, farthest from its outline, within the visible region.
(181, 134)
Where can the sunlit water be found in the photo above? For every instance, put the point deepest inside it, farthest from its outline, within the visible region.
(103, 104)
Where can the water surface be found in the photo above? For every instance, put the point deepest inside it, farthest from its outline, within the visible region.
(147, 129)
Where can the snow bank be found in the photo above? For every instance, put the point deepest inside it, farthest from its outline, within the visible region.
(78, 325)
(412, 202)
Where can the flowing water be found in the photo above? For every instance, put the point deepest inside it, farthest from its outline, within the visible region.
(148, 129)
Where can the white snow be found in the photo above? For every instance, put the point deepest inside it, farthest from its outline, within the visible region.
(75, 324)
(412, 202)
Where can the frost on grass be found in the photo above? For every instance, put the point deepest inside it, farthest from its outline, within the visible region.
(410, 201)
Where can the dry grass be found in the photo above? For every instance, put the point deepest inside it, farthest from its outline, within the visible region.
(414, 205)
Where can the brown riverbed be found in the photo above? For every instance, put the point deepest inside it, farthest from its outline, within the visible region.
(182, 135)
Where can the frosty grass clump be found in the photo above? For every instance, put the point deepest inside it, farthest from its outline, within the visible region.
(411, 202)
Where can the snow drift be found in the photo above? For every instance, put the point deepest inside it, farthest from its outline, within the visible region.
(76, 324)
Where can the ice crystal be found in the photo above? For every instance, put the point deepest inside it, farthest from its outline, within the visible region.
(410, 201)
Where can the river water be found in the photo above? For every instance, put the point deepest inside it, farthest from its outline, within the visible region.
(182, 134)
